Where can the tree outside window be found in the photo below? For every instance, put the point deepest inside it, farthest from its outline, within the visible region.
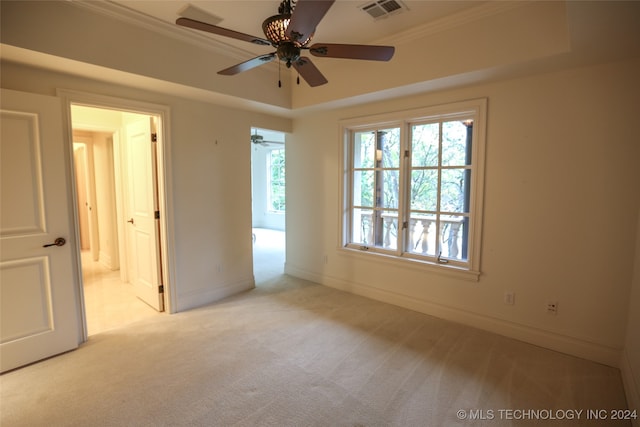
(276, 180)
(414, 185)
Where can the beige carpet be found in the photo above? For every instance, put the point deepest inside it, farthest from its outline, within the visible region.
(293, 353)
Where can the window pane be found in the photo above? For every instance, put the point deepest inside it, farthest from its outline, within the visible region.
(390, 143)
(363, 229)
(424, 189)
(453, 235)
(409, 185)
(422, 234)
(363, 189)
(364, 149)
(277, 197)
(424, 145)
(454, 191)
(391, 189)
(389, 232)
(456, 150)
(276, 180)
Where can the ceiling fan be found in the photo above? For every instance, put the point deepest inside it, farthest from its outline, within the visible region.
(258, 139)
(290, 33)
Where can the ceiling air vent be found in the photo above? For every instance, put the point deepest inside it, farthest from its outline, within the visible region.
(383, 8)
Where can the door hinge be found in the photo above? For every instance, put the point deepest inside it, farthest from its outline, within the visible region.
(406, 154)
(154, 137)
(405, 225)
(161, 289)
(156, 215)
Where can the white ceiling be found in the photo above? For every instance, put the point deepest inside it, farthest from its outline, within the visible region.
(345, 22)
(599, 31)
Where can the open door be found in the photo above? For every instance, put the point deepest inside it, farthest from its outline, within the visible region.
(39, 311)
(143, 219)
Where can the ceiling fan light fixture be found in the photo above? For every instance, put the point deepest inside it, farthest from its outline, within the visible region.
(275, 28)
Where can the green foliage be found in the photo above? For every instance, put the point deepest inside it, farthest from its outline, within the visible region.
(277, 180)
(429, 152)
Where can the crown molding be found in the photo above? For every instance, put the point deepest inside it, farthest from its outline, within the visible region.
(186, 35)
(130, 16)
(218, 47)
(455, 20)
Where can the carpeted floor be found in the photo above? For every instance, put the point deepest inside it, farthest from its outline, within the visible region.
(294, 353)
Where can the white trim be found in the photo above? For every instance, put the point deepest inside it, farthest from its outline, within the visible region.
(404, 262)
(446, 23)
(631, 386)
(562, 343)
(150, 23)
(215, 45)
(201, 40)
(402, 119)
(165, 180)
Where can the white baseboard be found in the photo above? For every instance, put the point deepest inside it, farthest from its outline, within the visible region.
(206, 296)
(631, 385)
(553, 341)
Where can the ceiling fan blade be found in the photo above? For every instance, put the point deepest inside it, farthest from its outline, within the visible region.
(353, 51)
(247, 65)
(203, 26)
(309, 72)
(305, 18)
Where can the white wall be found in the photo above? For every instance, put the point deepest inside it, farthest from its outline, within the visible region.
(630, 363)
(471, 42)
(80, 165)
(560, 215)
(211, 188)
(105, 199)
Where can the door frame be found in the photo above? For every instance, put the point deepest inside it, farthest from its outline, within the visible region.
(165, 202)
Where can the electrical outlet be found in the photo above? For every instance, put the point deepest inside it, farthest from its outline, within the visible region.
(552, 307)
(509, 298)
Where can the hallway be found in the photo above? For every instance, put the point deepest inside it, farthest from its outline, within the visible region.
(268, 254)
(109, 302)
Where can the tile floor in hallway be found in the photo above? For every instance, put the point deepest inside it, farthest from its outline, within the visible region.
(109, 302)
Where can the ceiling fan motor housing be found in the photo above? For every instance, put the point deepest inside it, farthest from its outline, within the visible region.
(289, 52)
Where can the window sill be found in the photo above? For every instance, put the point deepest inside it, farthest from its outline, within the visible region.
(451, 271)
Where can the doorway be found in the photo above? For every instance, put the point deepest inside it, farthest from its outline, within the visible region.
(268, 184)
(117, 197)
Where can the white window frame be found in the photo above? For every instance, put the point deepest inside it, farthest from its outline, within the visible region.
(475, 109)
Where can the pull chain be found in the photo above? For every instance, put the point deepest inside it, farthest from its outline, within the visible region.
(279, 82)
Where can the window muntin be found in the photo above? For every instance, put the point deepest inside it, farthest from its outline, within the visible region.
(413, 188)
(441, 162)
(375, 190)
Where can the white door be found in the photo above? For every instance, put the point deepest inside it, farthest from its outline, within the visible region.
(38, 301)
(142, 222)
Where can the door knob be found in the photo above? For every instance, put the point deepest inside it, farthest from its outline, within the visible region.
(58, 242)
(130, 220)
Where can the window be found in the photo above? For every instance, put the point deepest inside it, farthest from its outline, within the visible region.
(276, 180)
(413, 185)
